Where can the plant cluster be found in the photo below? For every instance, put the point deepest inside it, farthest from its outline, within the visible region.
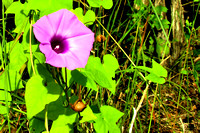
(97, 66)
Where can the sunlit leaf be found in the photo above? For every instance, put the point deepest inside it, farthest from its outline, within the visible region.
(15, 7)
(37, 94)
(110, 64)
(7, 3)
(154, 78)
(107, 4)
(87, 114)
(13, 80)
(49, 6)
(17, 57)
(157, 72)
(98, 73)
(64, 123)
(21, 12)
(106, 120)
(3, 96)
(87, 19)
(158, 69)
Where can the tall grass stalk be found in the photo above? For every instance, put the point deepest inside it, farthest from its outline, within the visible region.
(6, 82)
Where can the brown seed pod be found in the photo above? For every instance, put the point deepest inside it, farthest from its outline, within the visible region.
(78, 106)
(100, 38)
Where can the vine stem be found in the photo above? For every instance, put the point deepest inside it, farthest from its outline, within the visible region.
(46, 119)
(4, 62)
(66, 88)
(31, 56)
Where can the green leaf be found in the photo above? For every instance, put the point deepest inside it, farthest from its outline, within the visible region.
(160, 9)
(158, 69)
(7, 3)
(41, 70)
(107, 4)
(165, 23)
(15, 7)
(145, 68)
(98, 73)
(13, 80)
(3, 93)
(106, 120)
(64, 123)
(39, 56)
(83, 78)
(20, 17)
(100, 125)
(79, 13)
(110, 113)
(183, 71)
(36, 125)
(53, 109)
(37, 95)
(21, 12)
(154, 78)
(89, 17)
(49, 6)
(69, 76)
(17, 57)
(110, 64)
(157, 72)
(87, 115)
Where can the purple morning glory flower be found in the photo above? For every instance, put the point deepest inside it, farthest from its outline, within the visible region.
(65, 41)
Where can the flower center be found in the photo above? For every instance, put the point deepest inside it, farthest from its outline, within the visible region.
(58, 45)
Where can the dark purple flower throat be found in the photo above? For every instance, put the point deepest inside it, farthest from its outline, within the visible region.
(59, 45)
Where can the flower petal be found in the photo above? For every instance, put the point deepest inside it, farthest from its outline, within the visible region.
(70, 26)
(56, 60)
(81, 42)
(57, 17)
(43, 30)
(46, 49)
(66, 29)
(72, 62)
(80, 48)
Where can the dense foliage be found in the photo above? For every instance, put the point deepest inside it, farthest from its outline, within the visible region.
(140, 75)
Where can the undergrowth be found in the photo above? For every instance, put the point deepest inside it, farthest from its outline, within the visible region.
(155, 91)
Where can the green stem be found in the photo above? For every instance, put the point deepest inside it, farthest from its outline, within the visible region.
(6, 72)
(66, 88)
(6, 97)
(31, 56)
(46, 118)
